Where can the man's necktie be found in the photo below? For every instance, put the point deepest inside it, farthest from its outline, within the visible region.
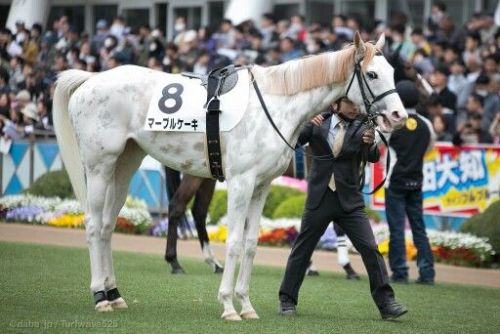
(336, 147)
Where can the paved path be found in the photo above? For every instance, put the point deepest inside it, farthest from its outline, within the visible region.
(324, 261)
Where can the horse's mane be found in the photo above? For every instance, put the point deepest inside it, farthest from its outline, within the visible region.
(313, 71)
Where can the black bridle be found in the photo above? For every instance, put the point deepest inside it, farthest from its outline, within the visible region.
(362, 83)
(369, 121)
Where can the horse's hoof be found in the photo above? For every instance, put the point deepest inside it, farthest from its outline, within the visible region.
(218, 270)
(312, 272)
(103, 306)
(249, 315)
(119, 303)
(231, 316)
(178, 270)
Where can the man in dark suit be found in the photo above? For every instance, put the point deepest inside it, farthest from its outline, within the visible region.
(333, 194)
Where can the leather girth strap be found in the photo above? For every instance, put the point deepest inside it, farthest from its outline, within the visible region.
(213, 139)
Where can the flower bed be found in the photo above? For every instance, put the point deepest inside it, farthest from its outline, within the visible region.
(448, 247)
(462, 249)
(134, 218)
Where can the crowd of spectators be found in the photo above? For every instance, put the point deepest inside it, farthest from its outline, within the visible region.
(456, 67)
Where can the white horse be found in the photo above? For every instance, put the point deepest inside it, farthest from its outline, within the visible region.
(99, 120)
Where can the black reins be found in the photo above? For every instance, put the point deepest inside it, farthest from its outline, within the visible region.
(370, 120)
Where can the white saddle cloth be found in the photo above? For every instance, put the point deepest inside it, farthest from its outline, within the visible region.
(183, 105)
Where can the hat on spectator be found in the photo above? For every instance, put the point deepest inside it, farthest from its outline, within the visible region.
(120, 57)
(48, 38)
(30, 111)
(23, 95)
(102, 24)
(407, 91)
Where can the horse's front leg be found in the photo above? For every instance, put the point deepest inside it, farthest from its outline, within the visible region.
(240, 190)
(251, 238)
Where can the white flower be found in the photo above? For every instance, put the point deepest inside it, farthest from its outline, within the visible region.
(70, 207)
(25, 200)
(137, 203)
(136, 216)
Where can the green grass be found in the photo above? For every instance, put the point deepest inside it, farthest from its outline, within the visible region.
(48, 286)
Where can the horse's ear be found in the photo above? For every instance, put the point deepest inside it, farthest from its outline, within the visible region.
(380, 43)
(360, 46)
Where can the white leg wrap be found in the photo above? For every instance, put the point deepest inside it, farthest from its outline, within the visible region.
(342, 252)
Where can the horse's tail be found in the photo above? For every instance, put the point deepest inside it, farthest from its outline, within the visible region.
(67, 82)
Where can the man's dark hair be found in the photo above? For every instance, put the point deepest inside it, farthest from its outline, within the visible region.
(478, 98)
(434, 100)
(270, 17)
(37, 27)
(494, 57)
(475, 36)
(400, 28)
(483, 79)
(288, 38)
(418, 31)
(441, 6)
(6, 31)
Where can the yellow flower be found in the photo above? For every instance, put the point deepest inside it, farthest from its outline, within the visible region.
(383, 247)
(411, 250)
(68, 221)
(219, 235)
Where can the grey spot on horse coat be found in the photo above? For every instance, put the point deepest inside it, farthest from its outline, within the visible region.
(199, 147)
(105, 118)
(187, 164)
(102, 100)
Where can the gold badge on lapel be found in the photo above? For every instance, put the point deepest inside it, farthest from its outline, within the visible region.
(411, 123)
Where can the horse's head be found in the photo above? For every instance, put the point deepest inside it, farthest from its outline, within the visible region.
(372, 87)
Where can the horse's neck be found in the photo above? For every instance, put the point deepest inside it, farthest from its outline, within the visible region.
(289, 112)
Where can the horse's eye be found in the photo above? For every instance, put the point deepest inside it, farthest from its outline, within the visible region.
(372, 75)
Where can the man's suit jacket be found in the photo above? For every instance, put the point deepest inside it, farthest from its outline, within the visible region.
(345, 166)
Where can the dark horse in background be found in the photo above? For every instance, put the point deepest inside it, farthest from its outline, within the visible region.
(180, 192)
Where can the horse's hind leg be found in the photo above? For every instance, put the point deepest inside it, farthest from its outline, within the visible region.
(250, 246)
(98, 179)
(176, 209)
(126, 165)
(200, 210)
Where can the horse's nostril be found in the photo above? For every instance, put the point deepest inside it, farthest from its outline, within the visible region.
(396, 116)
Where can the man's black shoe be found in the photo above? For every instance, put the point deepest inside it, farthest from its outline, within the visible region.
(392, 310)
(350, 273)
(287, 309)
(427, 281)
(399, 280)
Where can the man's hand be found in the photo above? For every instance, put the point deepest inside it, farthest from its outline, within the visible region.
(369, 136)
(317, 120)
